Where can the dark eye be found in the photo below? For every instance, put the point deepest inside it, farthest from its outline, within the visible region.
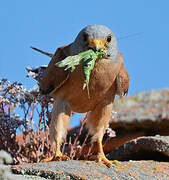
(108, 39)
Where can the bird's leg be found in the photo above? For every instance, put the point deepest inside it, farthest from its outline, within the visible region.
(97, 123)
(58, 155)
(58, 128)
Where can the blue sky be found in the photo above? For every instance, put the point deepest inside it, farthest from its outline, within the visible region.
(50, 24)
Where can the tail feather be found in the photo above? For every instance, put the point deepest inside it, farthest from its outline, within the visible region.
(43, 52)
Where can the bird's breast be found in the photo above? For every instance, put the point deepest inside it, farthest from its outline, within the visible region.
(101, 84)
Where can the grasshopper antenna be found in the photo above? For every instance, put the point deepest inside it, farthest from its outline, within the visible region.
(129, 36)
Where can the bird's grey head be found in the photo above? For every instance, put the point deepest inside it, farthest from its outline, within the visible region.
(96, 37)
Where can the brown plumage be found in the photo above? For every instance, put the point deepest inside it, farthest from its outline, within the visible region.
(108, 78)
(122, 81)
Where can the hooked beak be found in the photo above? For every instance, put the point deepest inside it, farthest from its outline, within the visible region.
(96, 45)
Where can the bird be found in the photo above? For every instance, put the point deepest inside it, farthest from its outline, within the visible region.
(108, 78)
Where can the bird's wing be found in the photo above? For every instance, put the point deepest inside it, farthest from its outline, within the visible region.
(54, 77)
(122, 81)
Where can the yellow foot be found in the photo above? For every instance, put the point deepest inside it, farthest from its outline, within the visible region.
(115, 162)
(57, 157)
(101, 158)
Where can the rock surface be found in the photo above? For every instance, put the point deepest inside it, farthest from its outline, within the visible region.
(145, 149)
(5, 172)
(151, 148)
(141, 170)
(145, 111)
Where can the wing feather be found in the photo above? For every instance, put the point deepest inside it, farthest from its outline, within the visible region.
(54, 77)
(122, 81)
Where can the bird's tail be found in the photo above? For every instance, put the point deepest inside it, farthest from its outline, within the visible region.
(43, 52)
